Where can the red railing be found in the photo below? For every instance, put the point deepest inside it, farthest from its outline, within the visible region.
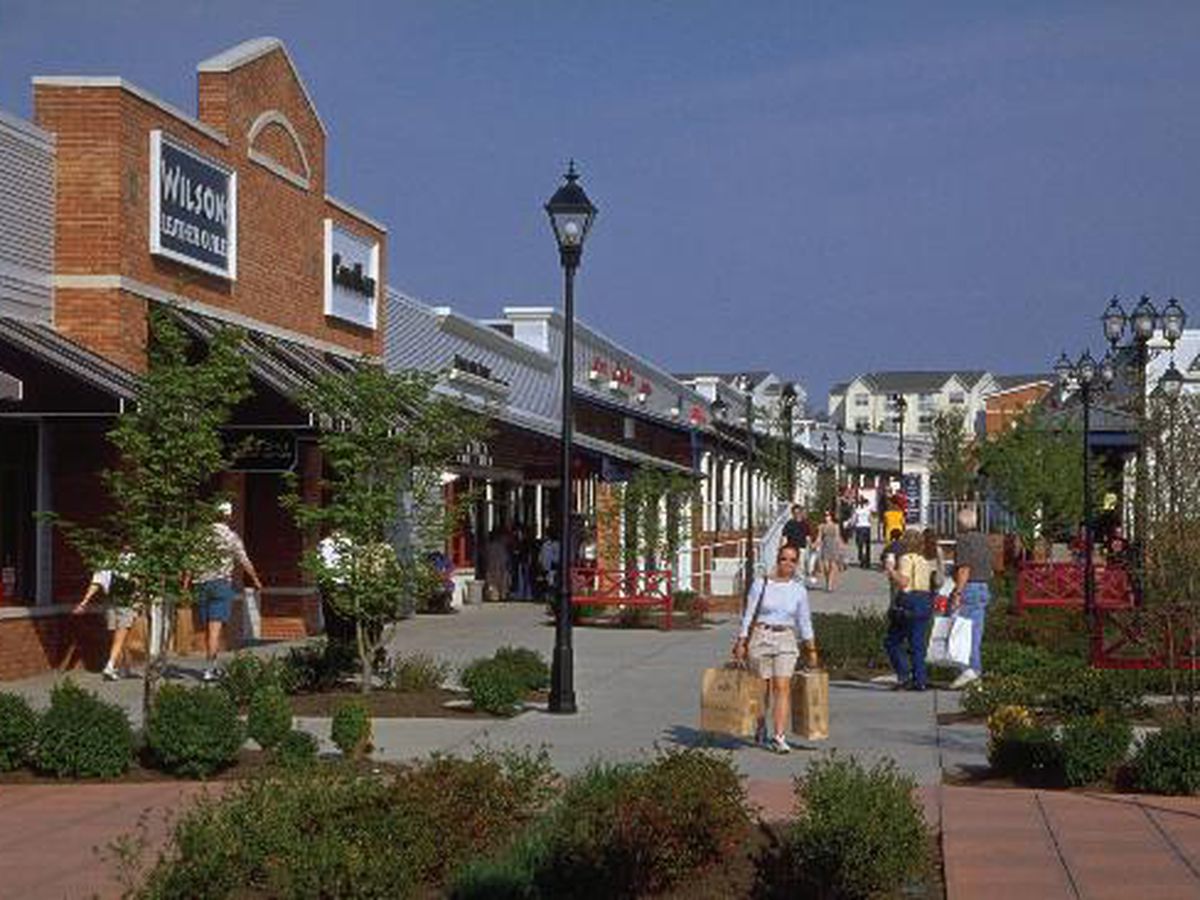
(623, 587)
(1155, 637)
(1061, 584)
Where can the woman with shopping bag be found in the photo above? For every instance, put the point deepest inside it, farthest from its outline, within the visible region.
(776, 611)
(908, 617)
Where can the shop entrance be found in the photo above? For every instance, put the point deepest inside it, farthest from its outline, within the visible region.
(18, 498)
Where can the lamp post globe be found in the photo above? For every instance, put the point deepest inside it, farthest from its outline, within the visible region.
(1174, 320)
(1144, 319)
(1114, 319)
(1171, 382)
(571, 215)
(1085, 369)
(1064, 369)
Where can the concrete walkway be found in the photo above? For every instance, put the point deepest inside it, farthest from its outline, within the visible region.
(638, 690)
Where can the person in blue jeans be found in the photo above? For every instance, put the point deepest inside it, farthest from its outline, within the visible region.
(972, 592)
(912, 608)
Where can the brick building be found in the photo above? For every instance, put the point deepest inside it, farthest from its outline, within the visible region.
(113, 200)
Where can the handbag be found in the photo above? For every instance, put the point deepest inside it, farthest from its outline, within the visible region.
(958, 644)
(938, 651)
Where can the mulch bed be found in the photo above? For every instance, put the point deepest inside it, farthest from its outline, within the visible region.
(249, 763)
(384, 704)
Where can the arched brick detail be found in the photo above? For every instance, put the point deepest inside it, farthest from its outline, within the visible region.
(274, 136)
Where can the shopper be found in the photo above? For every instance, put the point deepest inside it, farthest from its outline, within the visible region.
(214, 586)
(776, 611)
(972, 591)
(862, 532)
(120, 611)
(830, 550)
(909, 614)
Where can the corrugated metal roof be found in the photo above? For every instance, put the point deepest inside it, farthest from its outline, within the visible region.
(47, 344)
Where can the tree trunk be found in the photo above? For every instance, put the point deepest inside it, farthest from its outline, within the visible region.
(156, 657)
(365, 652)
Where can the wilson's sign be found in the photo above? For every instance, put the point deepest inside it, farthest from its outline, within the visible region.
(193, 208)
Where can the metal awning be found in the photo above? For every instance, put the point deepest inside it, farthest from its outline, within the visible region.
(60, 352)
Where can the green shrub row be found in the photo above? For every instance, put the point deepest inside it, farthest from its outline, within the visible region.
(499, 683)
(1061, 685)
(79, 736)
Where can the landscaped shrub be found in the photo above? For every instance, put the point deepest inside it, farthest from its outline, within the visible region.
(1093, 747)
(1169, 762)
(18, 729)
(319, 665)
(351, 728)
(297, 750)
(1010, 658)
(852, 640)
(335, 832)
(859, 832)
(1029, 754)
(1087, 692)
(270, 716)
(494, 686)
(193, 731)
(247, 672)
(81, 736)
(528, 664)
(991, 692)
(636, 829)
(416, 672)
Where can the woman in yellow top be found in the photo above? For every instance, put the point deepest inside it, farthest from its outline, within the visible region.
(893, 519)
(908, 617)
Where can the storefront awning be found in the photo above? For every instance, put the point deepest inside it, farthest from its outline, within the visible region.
(58, 375)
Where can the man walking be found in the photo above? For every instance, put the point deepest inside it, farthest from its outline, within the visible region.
(214, 586)
(972, 591)
(798, 533)
(862, 532)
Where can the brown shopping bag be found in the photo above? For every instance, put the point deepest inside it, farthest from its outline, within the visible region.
(810, 704)
(731, 701)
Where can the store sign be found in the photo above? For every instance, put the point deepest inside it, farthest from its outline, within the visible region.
(193, 208)
(911, 485)
(351, 276)
(261, 450)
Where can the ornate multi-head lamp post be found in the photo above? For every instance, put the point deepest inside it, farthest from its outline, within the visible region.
(788, 398)
(571, 215)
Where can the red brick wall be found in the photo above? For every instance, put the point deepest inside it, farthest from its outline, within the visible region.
(29, 646)
(103, 184)
(1004, 409)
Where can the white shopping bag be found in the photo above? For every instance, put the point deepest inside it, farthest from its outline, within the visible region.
(938, 652)
(252, 620)
(958, 645)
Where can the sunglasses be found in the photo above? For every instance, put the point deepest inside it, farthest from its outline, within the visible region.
(789, 559)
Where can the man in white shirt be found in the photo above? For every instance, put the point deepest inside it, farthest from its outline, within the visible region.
(214, 586)
(861, 519)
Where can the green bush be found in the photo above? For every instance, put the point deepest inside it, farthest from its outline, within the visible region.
(297, 750)
(1169, 762)
(334, 832)
(270, 716)
(416, 672)
(494, 686)
(850, 641)
(985, 695)
(635, 829)
(859, 832)
(1010, 658)
(81, 736)
(18, 730)
(1029, 755)
(319, 665)
(193, 731)
(528, 664)
(247, 672)
(1093, 747)
(1087, 692)
(351, 728)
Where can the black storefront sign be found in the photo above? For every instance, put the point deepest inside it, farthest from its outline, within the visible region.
(261, 449)
(193, 208)
(911, 485)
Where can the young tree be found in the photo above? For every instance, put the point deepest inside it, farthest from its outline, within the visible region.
(952, 464)
(170, 449)
(1036, 470)
(387, 439)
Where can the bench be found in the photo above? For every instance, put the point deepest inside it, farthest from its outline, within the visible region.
(1060, 584)
(591, 586)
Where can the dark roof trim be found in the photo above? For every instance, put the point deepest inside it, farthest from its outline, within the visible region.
(47, 344)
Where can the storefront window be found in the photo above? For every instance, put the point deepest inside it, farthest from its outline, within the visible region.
(18, 492)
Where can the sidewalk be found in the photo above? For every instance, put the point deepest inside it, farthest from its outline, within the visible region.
(638, 690)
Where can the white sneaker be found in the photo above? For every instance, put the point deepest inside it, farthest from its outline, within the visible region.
(780, 745)
(964, 678)
(110, 673)
(211, 674)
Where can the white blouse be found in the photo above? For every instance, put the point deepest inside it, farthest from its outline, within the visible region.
(782, 603)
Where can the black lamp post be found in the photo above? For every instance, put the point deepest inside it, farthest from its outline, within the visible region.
(1171, 385)
(788, 397)
(571, 215)
(901, 414)
(841, 455)
(1088, 378)
(1142, 323)
(743, 384)
(858, 438)
(719, 409)
(825, 450)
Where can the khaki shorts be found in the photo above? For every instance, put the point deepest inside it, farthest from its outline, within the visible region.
(773, 654)
(119, 617)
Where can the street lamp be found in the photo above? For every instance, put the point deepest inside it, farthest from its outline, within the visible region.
(825, 450)
(858, 439)
(1171, 385)
(743, 384)
(571, 215)
(841, 455)
(719, 410)
(1141, 325)
(1088, 378)
(788, 397)
(901, 405)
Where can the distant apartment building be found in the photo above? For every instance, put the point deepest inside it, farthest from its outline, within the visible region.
(872, 400)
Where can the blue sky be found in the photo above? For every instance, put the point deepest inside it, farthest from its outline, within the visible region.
(817, 188)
